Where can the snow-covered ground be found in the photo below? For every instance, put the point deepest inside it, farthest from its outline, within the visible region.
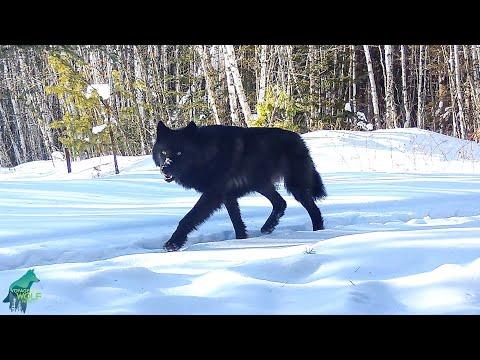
(402, 236)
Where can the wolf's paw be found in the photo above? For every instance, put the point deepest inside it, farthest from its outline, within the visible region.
(241, 236)
(267, 229)
(175, 243)
(318, 227)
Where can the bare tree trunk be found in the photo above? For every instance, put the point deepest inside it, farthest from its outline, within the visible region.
(151, 110)
(382, 63)
(208, 81)
(373, 87)
(222, 88)
(164, 59)
(177, 75)
(139, 98)
(69, 160)
(291, 73)
(420, 93)
(232, 96)
(157, 72)
(406, 105)
(263, 74)
(311, 84)
(4, 158)
(333, 85)
(476, 80)
(17, 158)
(232, 62)
(16, 113)
(389, 91)
(470, 72)
(453, 91)
(109, 114)
(460, 101)
(354, 79)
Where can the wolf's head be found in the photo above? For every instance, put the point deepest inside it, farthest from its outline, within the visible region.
(31, 277)
(174, 150)
(26, 281)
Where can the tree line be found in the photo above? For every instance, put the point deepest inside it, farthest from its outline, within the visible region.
(45, 104)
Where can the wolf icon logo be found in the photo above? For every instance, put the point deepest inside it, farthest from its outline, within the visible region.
(19, 292)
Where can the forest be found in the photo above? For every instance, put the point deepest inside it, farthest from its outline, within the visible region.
(90, 100)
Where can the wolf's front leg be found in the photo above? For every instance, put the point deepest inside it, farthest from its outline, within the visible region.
(203, 209)
(231, 203)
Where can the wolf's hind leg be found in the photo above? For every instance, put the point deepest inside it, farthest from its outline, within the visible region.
(279, 206)
(233, 209)
(305, 198)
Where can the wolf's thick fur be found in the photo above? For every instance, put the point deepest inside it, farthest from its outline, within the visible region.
(228, 162)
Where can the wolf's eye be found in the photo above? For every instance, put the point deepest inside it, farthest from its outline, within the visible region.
(179, 153)
(164, 152)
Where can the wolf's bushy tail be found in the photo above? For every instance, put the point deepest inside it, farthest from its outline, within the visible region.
(318, 189)
(301, 176)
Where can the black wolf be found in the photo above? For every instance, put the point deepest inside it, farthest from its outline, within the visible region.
(225, 163)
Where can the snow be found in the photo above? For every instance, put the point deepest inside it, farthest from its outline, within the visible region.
(402, 235)
(57, 155)
(363, 122)
(362, 116)
(99, 128)
(102, 89)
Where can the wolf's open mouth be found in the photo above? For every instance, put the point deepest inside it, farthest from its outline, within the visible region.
(168, 177)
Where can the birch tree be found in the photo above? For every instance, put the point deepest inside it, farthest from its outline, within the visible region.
(354, 79)
(458, 83)
(263, 73)
(389, 91)
(139, 98)
(17, 158)
(420, 85)
(232, 96)
(373, 87)
(232, 63)
(453, 92)
(209, 82)
(406, 105)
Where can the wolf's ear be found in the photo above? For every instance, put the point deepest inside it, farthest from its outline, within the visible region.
(191, 127)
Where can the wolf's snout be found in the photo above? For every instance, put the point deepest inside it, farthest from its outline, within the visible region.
(166, 164)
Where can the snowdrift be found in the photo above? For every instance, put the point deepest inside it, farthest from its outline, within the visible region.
(402, 235)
